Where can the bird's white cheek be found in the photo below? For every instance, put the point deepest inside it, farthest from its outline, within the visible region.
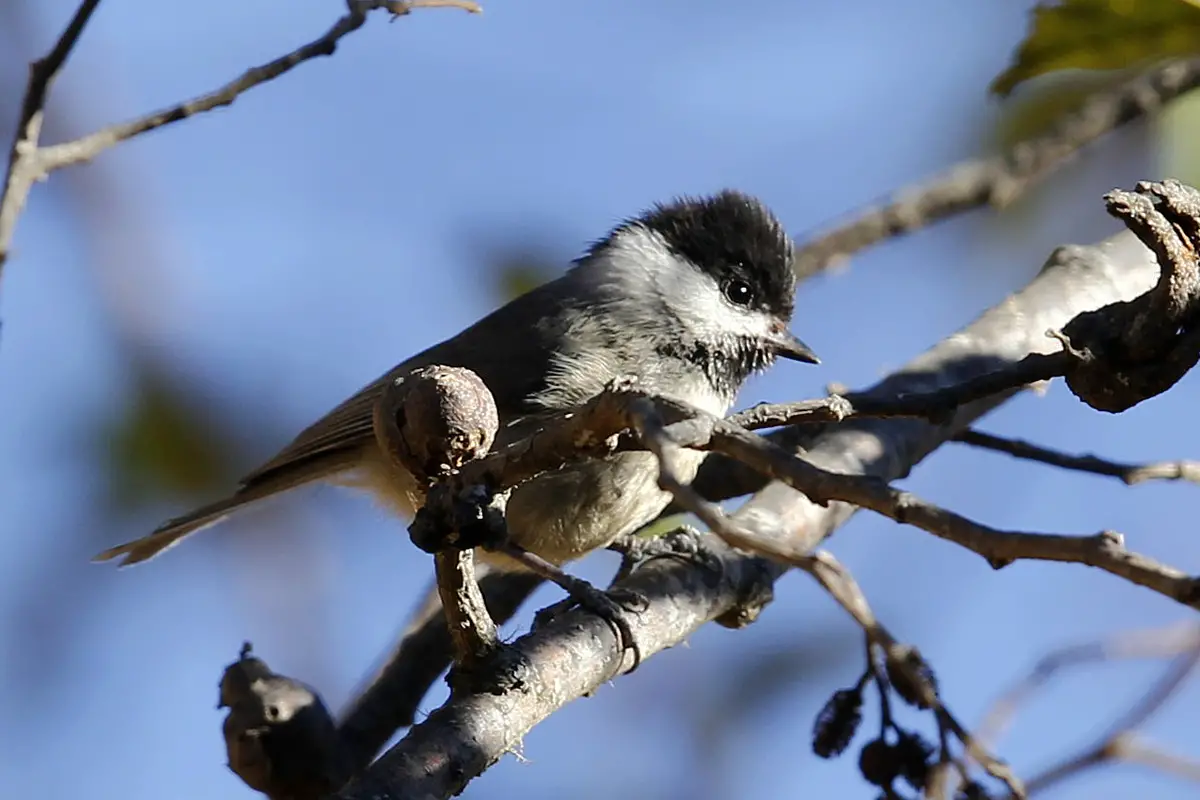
(716, 320)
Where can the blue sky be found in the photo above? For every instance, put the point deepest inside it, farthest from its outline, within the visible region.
(286, 250)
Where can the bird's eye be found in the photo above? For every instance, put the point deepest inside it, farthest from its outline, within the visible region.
(738, 292)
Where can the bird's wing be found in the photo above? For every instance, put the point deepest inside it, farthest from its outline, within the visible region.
(511, 350)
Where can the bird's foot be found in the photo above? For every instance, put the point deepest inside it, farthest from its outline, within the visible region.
(613, 606)
(684, 543)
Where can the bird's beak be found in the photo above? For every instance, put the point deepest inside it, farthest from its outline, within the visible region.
(786, 345)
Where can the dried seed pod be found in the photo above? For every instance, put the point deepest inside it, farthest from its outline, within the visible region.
(837, 723)
(914, 754)
(435, 419)
(911, 677)
(879, 763)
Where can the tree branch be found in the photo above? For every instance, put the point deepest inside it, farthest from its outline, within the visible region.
(1121, 742)
(472, 631)
(999, 180)
(29, 162)
(1130, 474)
(828, 572)
(1104, 551)
(390, 699)
(21, 172)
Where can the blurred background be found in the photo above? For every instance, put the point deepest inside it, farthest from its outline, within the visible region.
(176, 311)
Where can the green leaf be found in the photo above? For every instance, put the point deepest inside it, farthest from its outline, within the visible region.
(1102, 34)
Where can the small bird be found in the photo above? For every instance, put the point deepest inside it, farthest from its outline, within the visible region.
(689, 298)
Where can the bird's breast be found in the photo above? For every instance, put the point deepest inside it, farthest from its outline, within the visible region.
(563, 515)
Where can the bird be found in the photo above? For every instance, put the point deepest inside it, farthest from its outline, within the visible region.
(689, 298)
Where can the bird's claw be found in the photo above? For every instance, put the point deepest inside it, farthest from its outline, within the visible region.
(613, 606)
(684, 543)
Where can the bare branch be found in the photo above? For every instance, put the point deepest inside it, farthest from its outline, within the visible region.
(20, 175)
(1121, 742)
(832, 576)
(29, 162)
(1164, 642)
(1135, 749)
(1000, 179)
(472, 631)
(1121, 354)
(1131, 474)
(1104, 551)
(88, 147)
(390, 699)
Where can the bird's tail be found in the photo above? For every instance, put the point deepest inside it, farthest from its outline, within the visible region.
(271, 483)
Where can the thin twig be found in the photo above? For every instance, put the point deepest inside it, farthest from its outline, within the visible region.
(1116, 744)
(1180, 641)
(1164, 642)
(22, 172)
(832, 576)
(1000, 179)
(1135, 749)
(472, 631)
(936, 405)
(88, 147)
(1105, 550)
(1130, 474)
(30, 163)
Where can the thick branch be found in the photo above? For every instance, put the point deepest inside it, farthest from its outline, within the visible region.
(569, 657)
(393, 695)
